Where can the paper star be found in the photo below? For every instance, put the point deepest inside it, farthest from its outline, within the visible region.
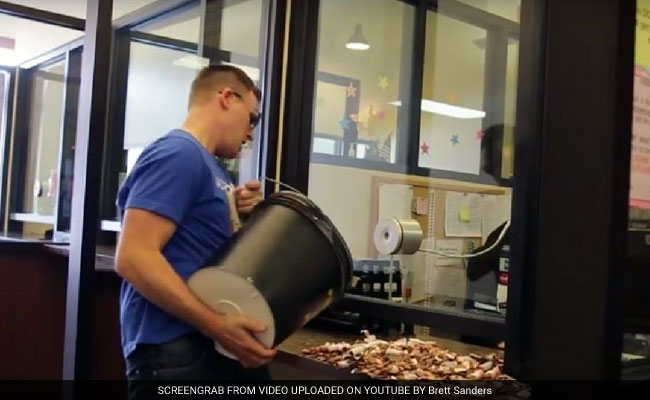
(381, 114)
(455, 140)
(425, 148)
(480, 134)
(345, 123)
(351, 90)
(383, 83)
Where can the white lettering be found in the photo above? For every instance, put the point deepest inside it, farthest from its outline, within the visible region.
(272, 390)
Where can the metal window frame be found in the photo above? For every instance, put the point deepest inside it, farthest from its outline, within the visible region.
(272, 91)
(5, 145)
(34, 14)
(21, 125)
(92, 113)
(273, 26)
(68, 136)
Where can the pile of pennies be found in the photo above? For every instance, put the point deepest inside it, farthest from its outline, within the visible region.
(407, 359)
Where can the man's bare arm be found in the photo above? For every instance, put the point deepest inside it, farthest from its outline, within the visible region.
(140, 261)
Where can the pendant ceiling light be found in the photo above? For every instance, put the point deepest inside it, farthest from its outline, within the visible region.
(357, 40)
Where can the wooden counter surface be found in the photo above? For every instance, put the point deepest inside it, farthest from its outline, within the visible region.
(291, 365)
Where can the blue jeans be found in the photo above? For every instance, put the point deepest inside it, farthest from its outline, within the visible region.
(190, 357)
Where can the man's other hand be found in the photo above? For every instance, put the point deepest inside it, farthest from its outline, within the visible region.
(248, 196)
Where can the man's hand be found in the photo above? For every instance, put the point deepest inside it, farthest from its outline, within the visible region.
(235, 334)
(248, 196)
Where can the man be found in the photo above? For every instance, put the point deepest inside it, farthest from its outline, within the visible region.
(176, 218)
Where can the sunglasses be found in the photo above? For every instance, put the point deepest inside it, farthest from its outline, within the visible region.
(253, 117)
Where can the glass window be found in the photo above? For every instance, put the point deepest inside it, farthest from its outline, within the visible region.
(167, 50)
(236, 34)
(163, 58)
(22, 40)
(5, 80)
(636, 337)
(48, 87)
(48, 75)
(467, 119)
(362, 54)
(508, 152)
(453, 88)
(166, 53)
(149, 66)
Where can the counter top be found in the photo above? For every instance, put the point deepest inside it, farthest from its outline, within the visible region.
(290, 356)
(309, 337)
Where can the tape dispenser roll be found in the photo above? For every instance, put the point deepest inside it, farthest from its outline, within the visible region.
(397, 236)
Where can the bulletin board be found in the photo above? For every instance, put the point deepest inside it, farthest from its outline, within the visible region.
(422, 188)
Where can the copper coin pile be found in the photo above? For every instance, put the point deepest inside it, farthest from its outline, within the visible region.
(407, 359)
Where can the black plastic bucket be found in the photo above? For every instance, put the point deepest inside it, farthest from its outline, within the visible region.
(284, 266)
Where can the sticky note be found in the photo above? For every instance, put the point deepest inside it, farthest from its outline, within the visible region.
(422, 205)
(464, 215)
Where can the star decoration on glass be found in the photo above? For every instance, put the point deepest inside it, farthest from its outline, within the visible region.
(345, 123)
(351, 90)
(455, 140)
(383, 83)
(480, 134)
(381, 114)
(425, 148)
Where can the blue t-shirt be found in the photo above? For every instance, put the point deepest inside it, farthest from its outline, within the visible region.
(178, 178)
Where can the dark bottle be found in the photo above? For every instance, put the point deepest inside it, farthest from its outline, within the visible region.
(366, 281)
(355, 284)
(377, 284)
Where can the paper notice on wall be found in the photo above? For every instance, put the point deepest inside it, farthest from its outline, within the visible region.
(421, 206)
(640, 168)
(463, 215)
(453, 247)
(496, 211)
(395, 201)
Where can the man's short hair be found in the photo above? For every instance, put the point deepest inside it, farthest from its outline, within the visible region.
(217, 77)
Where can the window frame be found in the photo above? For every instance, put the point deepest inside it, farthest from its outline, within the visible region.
(498, 31)
(5, 140)
(18, 153)
(268, 60)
